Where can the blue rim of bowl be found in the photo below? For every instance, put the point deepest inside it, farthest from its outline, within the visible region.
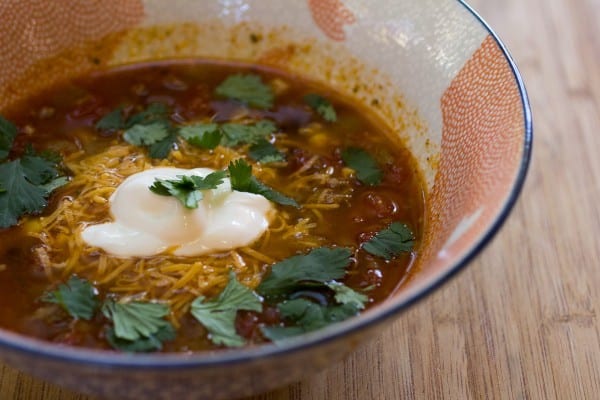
(168, 361)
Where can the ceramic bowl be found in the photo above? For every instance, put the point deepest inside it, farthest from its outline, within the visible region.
(432, 69)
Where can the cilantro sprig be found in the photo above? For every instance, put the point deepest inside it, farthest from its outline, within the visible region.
(149, 128)
(242, 180)
(19, 195)
(320, 265)
(206, 136)
(209, 136)
(322, 106)
(163, 147)
(154, 112)
(218, 315)
(152, 129)
(346, 295)
(318, 271)
(265, 152)
(307, 316)
(152, 342)
(112, 121)
(26, 184)
(285, 285)
(137, 326)
(367, 170)
(248, 89)
(115, 120)
(239, 134)
(188, 189)
(395, 239)
(78, 297)
(146, 135)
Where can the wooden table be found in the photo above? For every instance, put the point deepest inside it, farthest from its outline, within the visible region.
(521, 322)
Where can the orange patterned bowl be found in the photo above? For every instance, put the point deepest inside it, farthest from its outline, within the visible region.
(432, 69)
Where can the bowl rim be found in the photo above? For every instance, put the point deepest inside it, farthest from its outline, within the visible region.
(210, 359)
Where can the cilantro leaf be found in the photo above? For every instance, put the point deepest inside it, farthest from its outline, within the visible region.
(146, 135)
(49, 155)
(206, 136)
(38, 170)
(78, 297)
(188, 188)
(322, 265)
(238, 134)
(210, 181)
(182, 189)
(240, 173)
(218, 314)
(150, 128)
(265, 152)
(307, 317)
(25, 184)
(162, 148)
(242, 180)
(322, 106)
(367, 170)
(248, 89)
(346, 295)
(112, 121)
(313, 316)
(19, 196)
(8, 132)
(388, 243)
(42, 168)
(152, 342)
(136, 320)
(154, 112)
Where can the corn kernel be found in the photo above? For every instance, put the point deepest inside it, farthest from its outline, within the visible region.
(347, 172)
(176, 154)
(32, 225)
(319, 140)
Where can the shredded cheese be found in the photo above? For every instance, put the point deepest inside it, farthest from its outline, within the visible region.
(176, 280)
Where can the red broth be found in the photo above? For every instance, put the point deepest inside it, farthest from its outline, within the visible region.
(63, 120)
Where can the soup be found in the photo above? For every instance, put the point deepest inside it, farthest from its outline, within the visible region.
(193, 205)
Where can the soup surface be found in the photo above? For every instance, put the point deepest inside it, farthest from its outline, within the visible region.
(345, 208)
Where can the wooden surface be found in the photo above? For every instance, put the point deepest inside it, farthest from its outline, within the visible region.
(521, 322)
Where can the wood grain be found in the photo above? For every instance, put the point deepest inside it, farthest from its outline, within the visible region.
(521, 322)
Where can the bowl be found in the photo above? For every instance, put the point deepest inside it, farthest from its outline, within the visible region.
(432, 70)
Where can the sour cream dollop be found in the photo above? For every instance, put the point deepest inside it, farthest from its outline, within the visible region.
(145, 223)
